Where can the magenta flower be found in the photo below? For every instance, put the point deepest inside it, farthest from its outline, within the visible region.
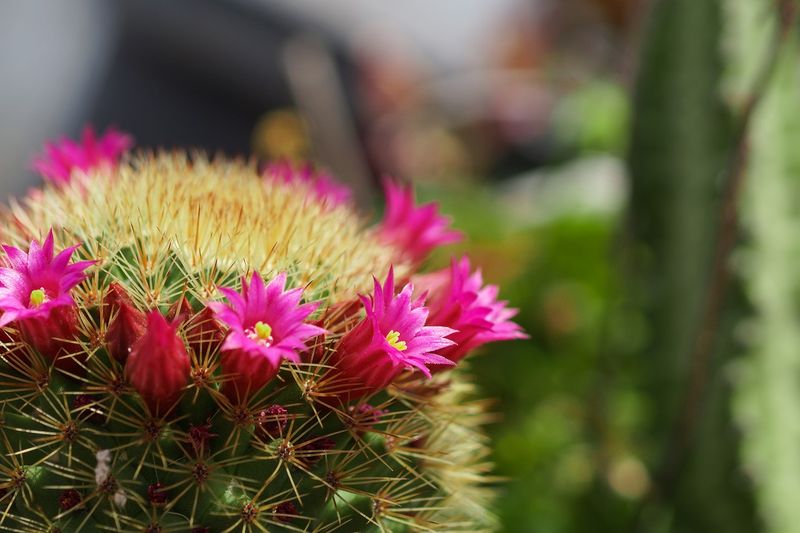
(458, 299)
(35, 283)
(267, 325)
(158, 366)
(391, 339)
(323, 185)
(414, 230)
(60, 159)
(35, 293)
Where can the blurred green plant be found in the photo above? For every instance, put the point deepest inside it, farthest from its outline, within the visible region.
(702, 483)
(594, 117)
(767, 401)
(570, 415)
(636, 405)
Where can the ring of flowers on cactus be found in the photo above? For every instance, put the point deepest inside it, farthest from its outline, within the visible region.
(189, 344)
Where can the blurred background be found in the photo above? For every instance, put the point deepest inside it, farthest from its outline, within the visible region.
(626, 170)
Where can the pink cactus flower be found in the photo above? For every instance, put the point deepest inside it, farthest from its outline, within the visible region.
(35, 293)
(324, 186)
(458, 299)
(158, 366)
(413, 230)
(61, 158)
(267, 325)
(392, 338)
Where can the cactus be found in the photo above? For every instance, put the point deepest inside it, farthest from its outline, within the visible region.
(762, 56)
(190, 345)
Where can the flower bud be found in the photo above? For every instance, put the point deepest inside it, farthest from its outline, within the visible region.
(270, 423)
(156, 494)
(285, 512)
(158, 365)
(203, 333)
(68, 499)
(180, 310)
(127, 324)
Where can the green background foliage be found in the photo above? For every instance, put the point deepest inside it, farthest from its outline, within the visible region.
(614, 297)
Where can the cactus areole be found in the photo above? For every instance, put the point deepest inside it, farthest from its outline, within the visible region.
(189, 344)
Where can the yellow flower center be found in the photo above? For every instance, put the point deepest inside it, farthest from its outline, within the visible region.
(263, 331)
(38, 296)
(393, 337)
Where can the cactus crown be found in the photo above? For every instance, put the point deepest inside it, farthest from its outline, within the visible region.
(153, 396)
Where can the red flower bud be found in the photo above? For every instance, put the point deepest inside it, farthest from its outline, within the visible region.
(285, 512)
(68, 499)
(127, 324)
(203, 333)
(156, 494)
(180, 310)
(310, 453)
(200, 436)
(158, 365)
(271, 422)
(364, 416)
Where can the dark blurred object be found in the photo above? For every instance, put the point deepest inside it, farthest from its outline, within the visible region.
(197, 73)
(260, 77)
(226, 77)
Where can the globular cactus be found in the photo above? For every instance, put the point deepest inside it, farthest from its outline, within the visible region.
(191, 345)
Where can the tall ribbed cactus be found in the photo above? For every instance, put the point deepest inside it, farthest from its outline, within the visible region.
(767, 401)
(190, 345)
